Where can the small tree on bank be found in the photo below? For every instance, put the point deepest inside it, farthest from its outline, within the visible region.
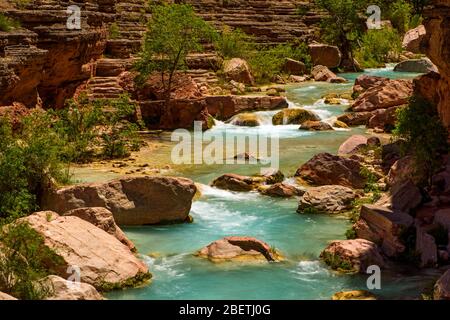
(173, 31)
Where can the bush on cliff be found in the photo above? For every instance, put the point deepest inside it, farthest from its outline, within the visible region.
(420, 127)
(233, 43)
(7, 24)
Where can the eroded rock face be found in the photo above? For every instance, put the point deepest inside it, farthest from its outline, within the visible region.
(383, 226)
(437, 48)
(413, 39)
(330, 199)
(327, 169)
(102, 218)
(352, 255)
(132, 201)
(61, 289)
(442, 287)
(388, 94)
(103, 261)
(238, 249)
(325, 55)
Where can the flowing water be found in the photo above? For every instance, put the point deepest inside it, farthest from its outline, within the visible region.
(168, 250)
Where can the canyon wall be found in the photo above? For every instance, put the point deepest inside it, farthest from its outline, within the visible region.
(437, 47)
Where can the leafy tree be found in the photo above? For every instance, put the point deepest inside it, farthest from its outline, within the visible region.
(173, 31)
(234, 43)
(344, 25)
(420, 127)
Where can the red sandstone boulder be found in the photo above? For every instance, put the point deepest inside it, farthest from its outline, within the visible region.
(132, 201)
(294, 116)
(355, 118)
(294, 67)
(327, 169)
(238, 70)
(62, 289)
(103, 219)
(352, 144)
(413, 39)
(325, 55)
(402, 197)
(4, 296)
(183, 87)
(234, 182)
(364, 82)
(386, 95)
(352, 255)
(322, 73)
(103, 261)
(315, 126)
(281, 190)
(401, 171)
(326, 199)
(384, 119)
(239, 249)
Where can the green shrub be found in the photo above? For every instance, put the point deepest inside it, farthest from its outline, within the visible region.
(233, 43)
(269, 62)
(114, 31)
(400, 14)
(29, 158)
(7, 24)
(424, 134)
(25, 259)
(376, 46)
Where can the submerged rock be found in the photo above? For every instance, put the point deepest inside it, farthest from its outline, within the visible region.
(327, 169)
(102, 218)
(239, 249)
(294, 116)
(352, 255)
(354, 295)
(62, 289)
(133, 201)
(326, 199)
(103, 261)
(246, 120)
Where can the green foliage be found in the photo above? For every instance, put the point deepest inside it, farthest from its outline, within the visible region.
(174, 30)
(269, 62)
(114, 31)
(29, 158)
(400, 14)
(337, 263)
(7, 24)
(25, 259)
(377, 45)
(420, 127)
(371, 184)
(301, 10)
(233, 43)
(350, 233)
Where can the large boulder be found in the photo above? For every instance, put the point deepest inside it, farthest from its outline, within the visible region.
(413, 39)
(5, 296)
(282, 190)
(315, 126)
(104, 219)
(384, 119)
(62, 289)
(239, 249)
(401, 171)
(238, 70)
(355, 118)
(101, 259)
(442, 287)
(352, 144)
(352, 255)
(383, 226)
(234, 182)
(294, 67)
(294, 116)
(325, 55)
(386, 95)
(423, 65)
(364, 82)
(326, 199)
(133, 201)
(327, 169)
(402, 197)
(246, 120)
(322, 73)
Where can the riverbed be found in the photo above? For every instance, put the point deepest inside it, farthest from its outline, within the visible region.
(168, 250)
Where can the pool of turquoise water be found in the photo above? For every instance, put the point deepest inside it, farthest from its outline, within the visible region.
(178, 274)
